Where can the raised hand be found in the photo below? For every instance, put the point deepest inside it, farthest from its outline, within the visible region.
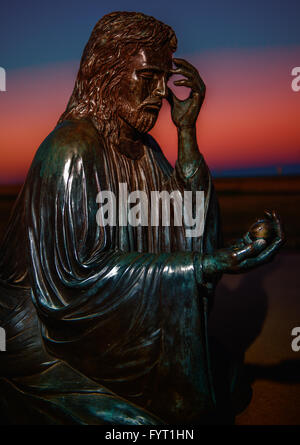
(185, 112)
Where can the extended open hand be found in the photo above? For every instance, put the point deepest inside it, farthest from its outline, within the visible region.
(248, 254)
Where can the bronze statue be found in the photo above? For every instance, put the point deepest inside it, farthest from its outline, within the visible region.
(108, 324)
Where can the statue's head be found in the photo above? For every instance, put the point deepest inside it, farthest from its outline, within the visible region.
(123, 73)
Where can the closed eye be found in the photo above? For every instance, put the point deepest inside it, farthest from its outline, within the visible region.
(146, 74)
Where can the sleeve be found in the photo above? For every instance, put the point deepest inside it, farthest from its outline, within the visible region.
(212, 238)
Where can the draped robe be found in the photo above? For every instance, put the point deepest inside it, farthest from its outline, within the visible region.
(105, 324)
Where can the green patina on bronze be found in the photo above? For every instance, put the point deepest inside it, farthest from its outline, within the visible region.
(108, 325)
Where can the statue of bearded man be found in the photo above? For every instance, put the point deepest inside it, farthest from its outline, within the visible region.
(107, 324)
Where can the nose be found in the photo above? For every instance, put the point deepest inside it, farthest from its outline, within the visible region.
(161, 88)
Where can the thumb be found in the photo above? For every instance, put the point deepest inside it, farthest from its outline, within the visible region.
(171, 98)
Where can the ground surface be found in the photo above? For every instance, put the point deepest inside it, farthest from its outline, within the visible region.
(254, 313)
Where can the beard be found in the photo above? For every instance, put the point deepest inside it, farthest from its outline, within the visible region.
(140, 119)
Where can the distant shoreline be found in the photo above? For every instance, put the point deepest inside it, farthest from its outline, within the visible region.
(234, 184)
(242, 200)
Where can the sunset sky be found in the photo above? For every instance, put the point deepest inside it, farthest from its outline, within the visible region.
(245, 52)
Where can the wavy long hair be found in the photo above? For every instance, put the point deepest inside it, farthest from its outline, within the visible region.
(115, 37)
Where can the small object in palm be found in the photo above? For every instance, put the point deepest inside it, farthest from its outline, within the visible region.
(262, 228)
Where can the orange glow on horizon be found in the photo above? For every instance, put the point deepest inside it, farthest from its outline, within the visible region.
(250, 116)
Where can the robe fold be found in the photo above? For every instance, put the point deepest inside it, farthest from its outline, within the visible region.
(125, 307)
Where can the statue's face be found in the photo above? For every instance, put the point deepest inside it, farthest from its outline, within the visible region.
(143, 87)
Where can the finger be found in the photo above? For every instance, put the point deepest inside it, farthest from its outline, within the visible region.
(275, 217)
(247, 239)
(263, 258)
(268, 214)
(271, 214)
(250, 250)
(182, 72)
(185, 83)
(278, 225)
(250, 263)
(194, 76)
(237, 243)
(171, 98)
(279, 230)
(269, 251)
(184, 63)
(195, 87)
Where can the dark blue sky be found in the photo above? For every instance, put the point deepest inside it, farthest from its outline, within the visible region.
(39, 32)
(36, 34)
